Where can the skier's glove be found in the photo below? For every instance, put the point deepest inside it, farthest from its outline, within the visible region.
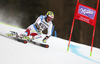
(45, 39)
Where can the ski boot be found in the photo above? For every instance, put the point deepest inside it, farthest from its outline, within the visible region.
(12, 34)
(23, 36)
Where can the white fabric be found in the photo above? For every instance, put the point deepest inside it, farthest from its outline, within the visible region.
(32, 29)
(43, 24)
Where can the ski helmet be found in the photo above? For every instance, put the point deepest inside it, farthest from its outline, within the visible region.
(50, 14)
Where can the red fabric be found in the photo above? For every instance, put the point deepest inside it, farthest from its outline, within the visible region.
(28, 31)
(32, 34)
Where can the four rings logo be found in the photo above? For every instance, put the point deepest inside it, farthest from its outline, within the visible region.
(87, 12)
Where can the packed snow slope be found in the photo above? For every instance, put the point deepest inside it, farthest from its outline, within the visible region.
(14, 52)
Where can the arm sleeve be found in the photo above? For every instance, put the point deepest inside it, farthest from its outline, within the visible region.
(49, 30)
(39, 19)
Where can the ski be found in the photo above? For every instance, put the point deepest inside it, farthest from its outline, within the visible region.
(10, 35)
(41, 44)
(35, 43)
(25, 40)
(20, 40)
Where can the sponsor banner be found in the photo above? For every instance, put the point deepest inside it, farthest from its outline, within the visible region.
(86, 14)
(86, 11)
(85, 19)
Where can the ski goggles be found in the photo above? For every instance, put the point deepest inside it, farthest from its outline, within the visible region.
(49, 18)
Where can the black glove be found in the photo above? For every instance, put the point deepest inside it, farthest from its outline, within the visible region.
(45, 39)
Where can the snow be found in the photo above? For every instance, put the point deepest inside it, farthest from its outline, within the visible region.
(14, 52)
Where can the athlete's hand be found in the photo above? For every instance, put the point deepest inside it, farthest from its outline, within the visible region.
(45, 39)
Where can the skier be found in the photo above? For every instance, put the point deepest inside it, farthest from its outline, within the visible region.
(42, 22)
